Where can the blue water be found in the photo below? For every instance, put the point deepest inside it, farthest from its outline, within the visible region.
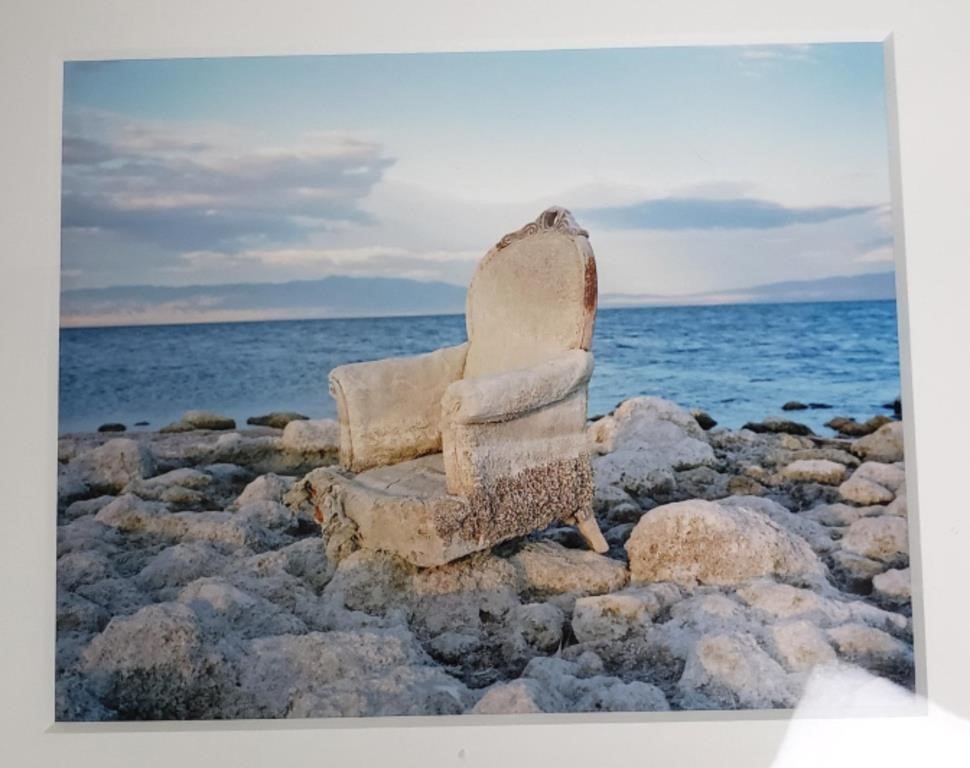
(738, 362)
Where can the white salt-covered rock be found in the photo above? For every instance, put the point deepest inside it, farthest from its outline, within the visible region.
(571, 689)
(893, 585)
(890, 476)
(644, 440)
(517, 697)
(369, 672)
(180, 564)
(547, 568)
(312, 436)
(864, 492)
(82, 567)
(800, 645)
(538, 624)
(609, 617)
(732, 671)
(883, 538)
(222, 606)
(703, 542)
(815, 471)
(869, 646)
(111, 466)
(207, 420)
(782, 601)
(856, 566)
(632, 421)
(885, 444)
(840, 514)
(634, 472)
(899, 505)
(268, 487)
(152, 665)
(85, 507)
(130, 514)
(818, 537)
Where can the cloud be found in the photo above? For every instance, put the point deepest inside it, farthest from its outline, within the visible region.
(685, 213)
(188, 187)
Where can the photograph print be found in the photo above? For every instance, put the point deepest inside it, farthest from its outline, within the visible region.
(519, 382)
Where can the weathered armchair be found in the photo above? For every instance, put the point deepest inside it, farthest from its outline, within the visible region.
(464, 447)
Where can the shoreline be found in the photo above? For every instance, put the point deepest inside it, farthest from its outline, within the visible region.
(194, 583)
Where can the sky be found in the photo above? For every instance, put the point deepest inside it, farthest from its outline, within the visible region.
(695, 169)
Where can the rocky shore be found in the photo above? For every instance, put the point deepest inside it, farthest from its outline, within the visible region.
(193, 580)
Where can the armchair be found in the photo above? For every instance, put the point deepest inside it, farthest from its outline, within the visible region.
(459, 449)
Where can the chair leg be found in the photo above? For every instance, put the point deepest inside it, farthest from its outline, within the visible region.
(589, 529)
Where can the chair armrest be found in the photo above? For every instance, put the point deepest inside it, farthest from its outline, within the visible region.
(390, 410)
(511, 394)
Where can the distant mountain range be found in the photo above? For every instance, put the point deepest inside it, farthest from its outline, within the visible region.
(339, 296)
(880, 285)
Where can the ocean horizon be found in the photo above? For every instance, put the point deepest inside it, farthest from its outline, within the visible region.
(737, 361)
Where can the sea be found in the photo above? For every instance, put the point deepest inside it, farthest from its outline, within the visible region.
(738, 362)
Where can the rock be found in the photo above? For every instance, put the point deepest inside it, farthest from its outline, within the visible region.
(183, 487)
(643, 441)
(321, 436)
(781, 601)
(518, 697)
(893, 586)
(840, 514)
(268, 487)
(276, 419)
(130, 514)
(78, 614)
(608, 497)
(305, 559)
(631, 472)
(794, 405)
(800, 645)
(885, 444)
(152, 665)
(891, 476)
(817, 536)
(825, 453)
(704, 542)
(83, 567)
(610, 617)
(539, 624)
(180, 564)
(883, 538)
(864, 492)
(223, 607)
(899, 506)
(853, 428)
(85, 507)
(704, 420)
(858, 570)
(816, 471)
(633, 420)
(112, 427)
(176, 427)
(207, 420)
(742, 485)
(363, 673)
(778, 426)
(870, 647)
(558, 685)
(111, 466)
(452, 647)
(732, 671)
(548, 569)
